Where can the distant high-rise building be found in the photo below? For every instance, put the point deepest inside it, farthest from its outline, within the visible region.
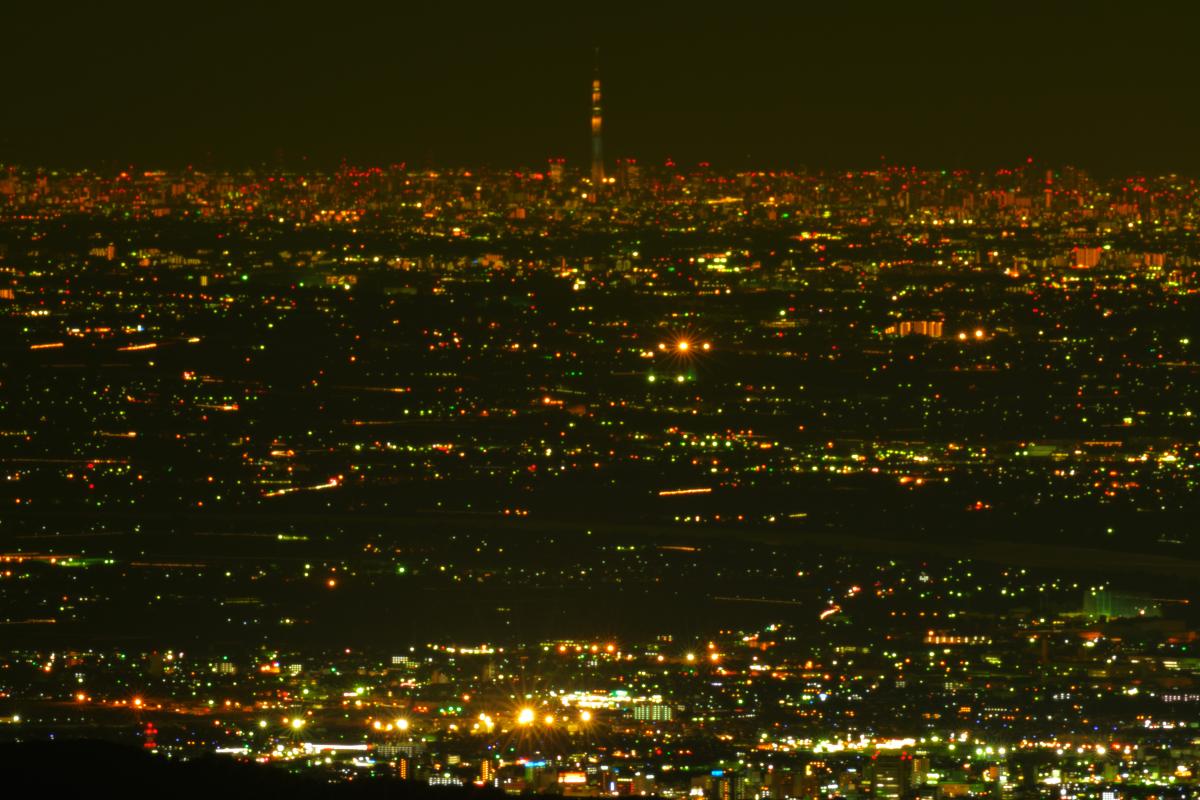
(891, 775)
(597, 144)
(1086, 257)
(628, 175)
(920, 769)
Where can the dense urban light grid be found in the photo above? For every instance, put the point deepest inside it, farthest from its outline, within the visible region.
(606, 475)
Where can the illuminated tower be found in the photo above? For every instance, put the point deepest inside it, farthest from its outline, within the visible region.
(597, 144)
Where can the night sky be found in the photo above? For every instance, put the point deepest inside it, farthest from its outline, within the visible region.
(1107, 86)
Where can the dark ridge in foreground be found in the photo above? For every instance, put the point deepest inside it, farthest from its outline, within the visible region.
(95, 767)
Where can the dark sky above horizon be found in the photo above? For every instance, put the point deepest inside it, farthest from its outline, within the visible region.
(1108, 86)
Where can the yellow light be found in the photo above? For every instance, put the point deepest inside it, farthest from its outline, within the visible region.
(706, 346)
(683, 345)
(585, 716)
(402, 724)
(548, 719)
(525, 717)
(978, 333)
(297, 724)
(690, 657)
(377, 725)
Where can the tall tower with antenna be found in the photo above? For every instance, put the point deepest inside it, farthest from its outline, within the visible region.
(597, 142)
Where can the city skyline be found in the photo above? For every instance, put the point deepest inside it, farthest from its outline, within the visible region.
(784, 403)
